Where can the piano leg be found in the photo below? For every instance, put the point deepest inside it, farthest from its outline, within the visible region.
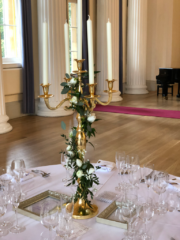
(178, 96)
(165, 91)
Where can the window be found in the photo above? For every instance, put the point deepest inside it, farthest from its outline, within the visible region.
(72, 16)
(10, 33)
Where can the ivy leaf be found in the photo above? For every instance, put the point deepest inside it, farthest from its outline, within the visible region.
(65, 90)
(89, 127)
(63, 84)
(63, 125)
(80, 104)
(67, 75)
(74, 132)
(91, 144)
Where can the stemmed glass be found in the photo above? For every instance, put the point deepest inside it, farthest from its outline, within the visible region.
(145, 215)
(64, 228)
(128, 210)
(50, 216)
(17, 171)
(63, 162)
(148, 176)
(160, 185)
(134, 162)
(134, 177)
(120, 161)
(15, 197)
(3, 210)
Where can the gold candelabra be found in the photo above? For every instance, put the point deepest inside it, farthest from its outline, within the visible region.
(80, 207)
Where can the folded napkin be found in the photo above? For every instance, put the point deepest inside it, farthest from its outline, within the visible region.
(105, 165)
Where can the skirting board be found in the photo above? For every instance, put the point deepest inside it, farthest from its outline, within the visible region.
(151, 85)
(14, 109)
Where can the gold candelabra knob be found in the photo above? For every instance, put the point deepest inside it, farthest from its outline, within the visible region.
(110, 86)
(92, 91)
(46, 91)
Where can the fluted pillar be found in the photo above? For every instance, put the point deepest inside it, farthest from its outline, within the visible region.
(136, 47)
(56, 17)
(107, 9)
(4, 125)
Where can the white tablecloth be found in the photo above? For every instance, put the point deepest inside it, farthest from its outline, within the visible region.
(161, 227)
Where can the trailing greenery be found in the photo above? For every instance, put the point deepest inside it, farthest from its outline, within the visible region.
(84, 172)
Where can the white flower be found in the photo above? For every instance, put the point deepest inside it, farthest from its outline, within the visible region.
(69, 148)
(71, 154)
(72, 82)
(79, 173)
(78, 162)
(91, 170)
(91, 117)
(74, 100)
(71, 134)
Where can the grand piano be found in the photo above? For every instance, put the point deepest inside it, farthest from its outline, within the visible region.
(168, 76)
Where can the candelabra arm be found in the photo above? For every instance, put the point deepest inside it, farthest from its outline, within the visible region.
(106, 103)
(46, 100)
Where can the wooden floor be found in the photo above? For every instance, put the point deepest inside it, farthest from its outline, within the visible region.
(37, 140)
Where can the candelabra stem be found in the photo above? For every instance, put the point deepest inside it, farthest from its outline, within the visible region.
(106, 103)
(46, 100)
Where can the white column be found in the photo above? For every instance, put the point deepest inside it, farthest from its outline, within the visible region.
(56, 11)
(4, 125)
(136, 47)
(107, 9)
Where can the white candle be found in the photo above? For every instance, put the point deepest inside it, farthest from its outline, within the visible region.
(109, 51)
(79, 29)
(90, 51)
(66, 40)
(45, 53)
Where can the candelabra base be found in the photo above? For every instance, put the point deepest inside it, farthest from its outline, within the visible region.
(82, 211)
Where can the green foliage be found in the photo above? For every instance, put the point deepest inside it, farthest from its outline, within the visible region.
(81, 105)
(63, 125)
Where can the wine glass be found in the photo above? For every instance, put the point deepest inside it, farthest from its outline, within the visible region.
(134, 178)
(15, 197)
(3, 210)
(128, 210)
(64, 228)
(49, 216)
(160, 184)
(63, 162)
(134, 162)
(18, 170)
(5, 196)
(145, 215)
(5, 175)
(147, 170)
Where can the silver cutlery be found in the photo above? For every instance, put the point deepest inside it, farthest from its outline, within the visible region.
(44, 174)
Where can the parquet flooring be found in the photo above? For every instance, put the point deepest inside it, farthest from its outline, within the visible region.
(37, 139)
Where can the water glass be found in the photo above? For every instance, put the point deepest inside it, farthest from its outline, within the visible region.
(160, 184)
(172, 201)
(3, 210)
(49, 216)
(15, 197)
(146, 213)
(128, 211)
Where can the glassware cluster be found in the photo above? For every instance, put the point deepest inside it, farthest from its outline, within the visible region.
(142, 193)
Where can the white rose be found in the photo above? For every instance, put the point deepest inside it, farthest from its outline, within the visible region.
(69, 148)
(72, 81)
(71, 134)
(78, 162)
(91, 170)
(91, 117)
(74, 100)
(79, 173)
(71, 153)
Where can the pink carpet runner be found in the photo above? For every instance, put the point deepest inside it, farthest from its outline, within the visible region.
(139, 111)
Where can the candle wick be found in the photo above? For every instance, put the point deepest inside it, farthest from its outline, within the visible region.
(108, 19)
(66, 20)
(89, 16)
